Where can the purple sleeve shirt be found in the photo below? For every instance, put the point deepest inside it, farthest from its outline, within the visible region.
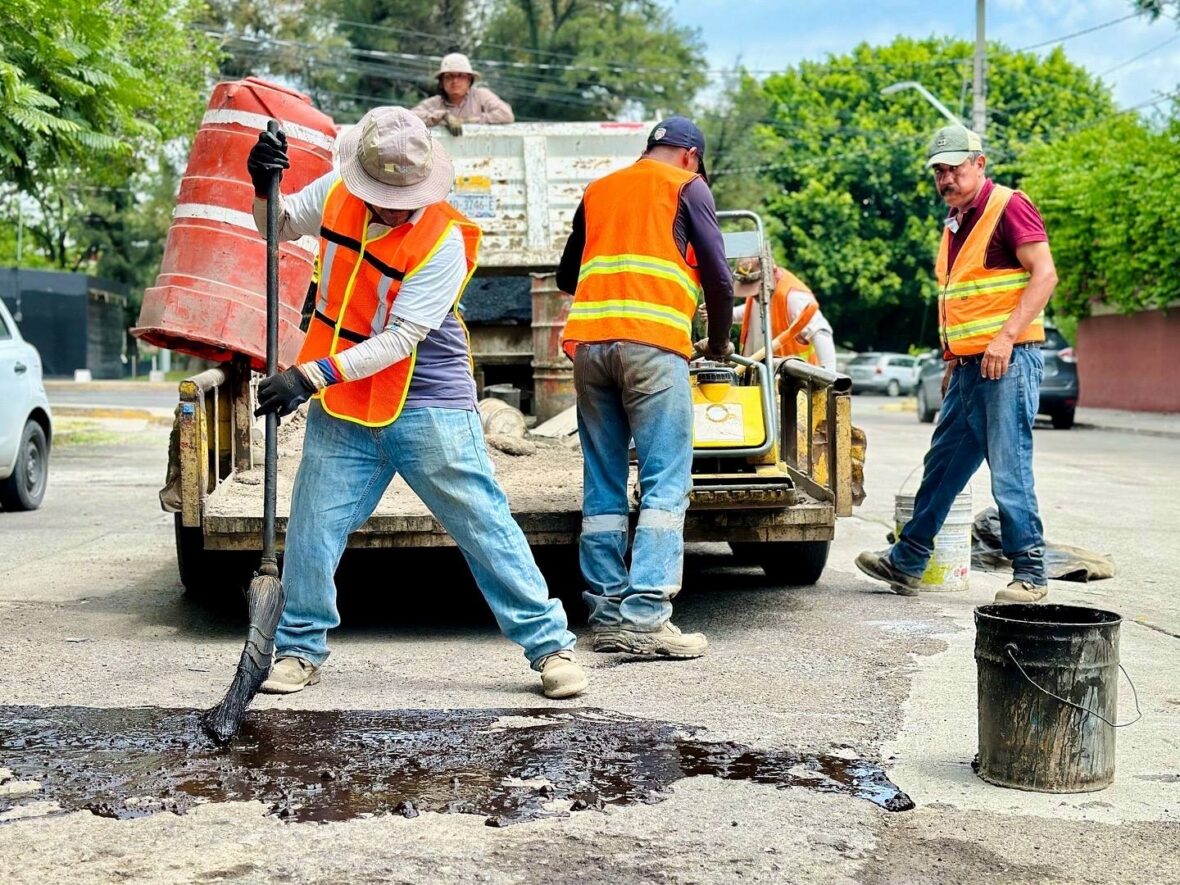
(696, 226)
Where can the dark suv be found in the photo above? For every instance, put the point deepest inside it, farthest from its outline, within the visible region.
(1059, 387)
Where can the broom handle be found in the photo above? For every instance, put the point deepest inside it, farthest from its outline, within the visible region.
(271, 468)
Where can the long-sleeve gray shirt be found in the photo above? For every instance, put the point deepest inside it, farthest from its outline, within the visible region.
(480, 105)
(695, 225)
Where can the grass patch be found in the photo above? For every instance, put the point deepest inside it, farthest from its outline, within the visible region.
(67, 432)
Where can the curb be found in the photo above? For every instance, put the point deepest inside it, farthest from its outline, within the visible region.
(904, 404)
(1138, 431)
(67, 384)
(153, 416)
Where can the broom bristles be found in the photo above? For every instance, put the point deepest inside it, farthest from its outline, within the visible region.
(265, 599)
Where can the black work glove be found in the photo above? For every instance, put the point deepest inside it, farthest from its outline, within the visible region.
(283, 393)
(268, 157)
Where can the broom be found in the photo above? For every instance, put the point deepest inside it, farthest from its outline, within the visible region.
(265, 595)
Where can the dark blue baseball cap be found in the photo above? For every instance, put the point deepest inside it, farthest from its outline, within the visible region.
(679, 132)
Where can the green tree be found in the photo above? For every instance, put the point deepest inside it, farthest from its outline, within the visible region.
(1110, 192)
(591, 59)
(855, 212)
(91, 91)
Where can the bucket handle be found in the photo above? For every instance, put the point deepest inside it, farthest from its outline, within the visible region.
(905, 482)
(1011, 649)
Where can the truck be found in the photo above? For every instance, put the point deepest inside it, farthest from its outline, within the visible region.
(772, 465)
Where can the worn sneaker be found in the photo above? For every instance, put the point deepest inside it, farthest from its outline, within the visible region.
(666, 642)
(562, 676)
(1023, 591)
(877, 565)
(289, 675)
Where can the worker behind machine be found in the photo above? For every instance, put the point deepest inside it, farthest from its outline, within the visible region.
(793, 309)
(458, 100)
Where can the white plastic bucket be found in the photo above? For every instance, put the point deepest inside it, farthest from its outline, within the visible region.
(950, 565)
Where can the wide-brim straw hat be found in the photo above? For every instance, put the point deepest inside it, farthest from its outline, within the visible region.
(390, 160)
(456, 63)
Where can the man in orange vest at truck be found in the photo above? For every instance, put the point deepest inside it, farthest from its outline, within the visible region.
(644, 249)
(387, 364)
(995, 276)
(798, 327)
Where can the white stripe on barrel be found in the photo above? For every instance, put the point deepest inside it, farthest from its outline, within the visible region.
(259, 121)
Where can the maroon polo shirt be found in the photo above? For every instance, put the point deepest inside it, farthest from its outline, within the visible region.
(1021, 223)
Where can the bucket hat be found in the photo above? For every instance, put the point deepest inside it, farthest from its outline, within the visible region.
(390, 160)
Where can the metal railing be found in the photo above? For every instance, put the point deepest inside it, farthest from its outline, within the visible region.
(214, 433)
(816, 414)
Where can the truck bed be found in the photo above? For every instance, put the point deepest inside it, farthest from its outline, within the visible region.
(544, 490)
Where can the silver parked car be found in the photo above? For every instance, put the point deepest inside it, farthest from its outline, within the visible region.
(26, 424)
(888, 373)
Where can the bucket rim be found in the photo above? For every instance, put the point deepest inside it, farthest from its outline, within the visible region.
(1099, 617)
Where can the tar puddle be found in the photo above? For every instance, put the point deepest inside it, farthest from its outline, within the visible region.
(509, 766)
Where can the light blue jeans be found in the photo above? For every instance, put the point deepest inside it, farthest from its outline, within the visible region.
(441, 454)
(632, 391)
(983, 419)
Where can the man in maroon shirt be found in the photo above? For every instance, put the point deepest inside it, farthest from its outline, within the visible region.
(996, 275)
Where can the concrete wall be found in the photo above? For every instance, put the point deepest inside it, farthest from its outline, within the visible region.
(1130, 362)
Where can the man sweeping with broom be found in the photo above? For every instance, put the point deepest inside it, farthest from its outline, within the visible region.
(387, 361)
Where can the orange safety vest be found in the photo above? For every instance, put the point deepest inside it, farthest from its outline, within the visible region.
(634, 285)
(359, 281)
(786, 334)
(976, 301)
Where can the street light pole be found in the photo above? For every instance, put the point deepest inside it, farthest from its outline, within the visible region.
(979, 98)
(926, 94)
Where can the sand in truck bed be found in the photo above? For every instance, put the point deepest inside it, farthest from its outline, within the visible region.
(548, 480)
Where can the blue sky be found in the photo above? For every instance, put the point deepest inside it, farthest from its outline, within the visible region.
(769, 35)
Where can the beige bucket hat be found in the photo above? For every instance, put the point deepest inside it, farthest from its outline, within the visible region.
(389, 159)
(456, 63)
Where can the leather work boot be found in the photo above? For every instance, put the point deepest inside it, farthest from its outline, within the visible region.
(562, 676)
(666, 642)
(1023, 591)
(877, 565)
(289, 675)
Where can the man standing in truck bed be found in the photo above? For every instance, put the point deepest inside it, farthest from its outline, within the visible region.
(644, 249)
(389, 365)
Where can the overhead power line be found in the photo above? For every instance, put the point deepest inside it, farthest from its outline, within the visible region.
(1090, 30)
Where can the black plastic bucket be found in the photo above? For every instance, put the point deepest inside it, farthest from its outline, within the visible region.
(1048, 696)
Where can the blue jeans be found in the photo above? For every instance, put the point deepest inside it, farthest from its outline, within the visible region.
(632, 391)
(982, 419)
(441, 454)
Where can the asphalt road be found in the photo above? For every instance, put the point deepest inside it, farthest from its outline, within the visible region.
(93, 615)
(121, 394)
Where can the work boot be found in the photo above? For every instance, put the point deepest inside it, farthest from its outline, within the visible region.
(665, 642)
(878, 566)
(562, 676)
(1023, 591)
(289, 675)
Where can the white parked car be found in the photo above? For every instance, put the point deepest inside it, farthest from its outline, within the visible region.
(26, 424)
(888, 373)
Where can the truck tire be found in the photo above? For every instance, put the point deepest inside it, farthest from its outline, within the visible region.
(25, 489)
(792, 563)
(214, 577)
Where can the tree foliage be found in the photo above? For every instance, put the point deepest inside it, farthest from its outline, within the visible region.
(1110, 193)
(591, 59)
(86, 79)
(841, 167)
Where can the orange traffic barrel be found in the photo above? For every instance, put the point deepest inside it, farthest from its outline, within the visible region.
(210, 295)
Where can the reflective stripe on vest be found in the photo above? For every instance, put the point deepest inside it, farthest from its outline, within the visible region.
(359, 282)
(975, 301)
(634, 285)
